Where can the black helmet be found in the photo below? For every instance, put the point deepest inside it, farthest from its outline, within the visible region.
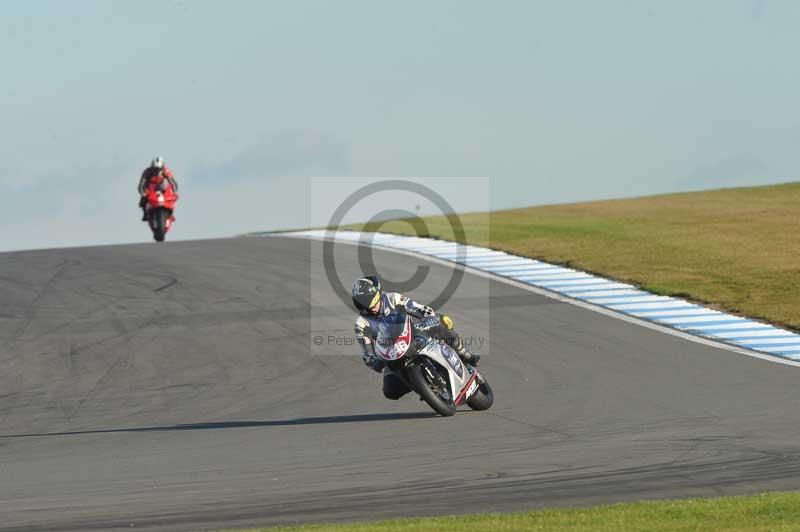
(366, 294)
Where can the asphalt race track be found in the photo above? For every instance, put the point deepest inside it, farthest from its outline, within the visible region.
(172, 387)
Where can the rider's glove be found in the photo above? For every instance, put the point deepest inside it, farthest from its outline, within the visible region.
(447, 321)
(427, 311)
(370, 360)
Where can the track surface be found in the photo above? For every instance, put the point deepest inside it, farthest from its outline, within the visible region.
(172, 387)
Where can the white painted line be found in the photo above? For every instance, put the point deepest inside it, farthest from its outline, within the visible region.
(521, 268)
(551, 276)
(487, 255)
(421, 245)
(604, 293)
(737, 325)
(450, 253)
(558, 284)
(511, 261)
(600, 285)
(550, 273)
(478, 262)
(788, 348)
(639, 299)
(539, 272)
(701, 319)
(528, 270)
(549, 284)
(666, 313)
(750, 334)
(460, 255)
(509, 265)
(424, 248)
(495, 255)
(767, 341)
(666, 303)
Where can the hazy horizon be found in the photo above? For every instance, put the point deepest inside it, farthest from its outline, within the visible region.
(553, 103)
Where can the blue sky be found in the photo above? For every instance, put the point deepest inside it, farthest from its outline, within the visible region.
(552, 101)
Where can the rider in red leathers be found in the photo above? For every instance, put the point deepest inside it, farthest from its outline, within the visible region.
(157, 169)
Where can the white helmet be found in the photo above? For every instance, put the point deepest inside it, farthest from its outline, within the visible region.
(158, 162)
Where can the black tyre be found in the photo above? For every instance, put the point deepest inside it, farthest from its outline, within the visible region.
(428, 382)
(160, 219)
(483, 398)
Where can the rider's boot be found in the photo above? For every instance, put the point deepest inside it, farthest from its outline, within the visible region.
(466, 356)
(143, 206)
(456, 342)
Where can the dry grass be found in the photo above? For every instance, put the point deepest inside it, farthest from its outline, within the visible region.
(735, 249)
(775, 512)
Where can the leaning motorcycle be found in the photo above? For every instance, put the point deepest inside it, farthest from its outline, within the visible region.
(161, 199)
(429, 366)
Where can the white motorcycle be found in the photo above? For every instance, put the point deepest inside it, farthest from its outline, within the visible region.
(428, 365)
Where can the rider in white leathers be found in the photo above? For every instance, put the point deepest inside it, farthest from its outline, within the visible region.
(372, 303)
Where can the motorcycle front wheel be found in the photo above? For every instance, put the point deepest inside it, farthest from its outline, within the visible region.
(428, 382)
(483, 398)
(160, 219)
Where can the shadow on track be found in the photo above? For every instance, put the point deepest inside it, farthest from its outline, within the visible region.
(356, 418)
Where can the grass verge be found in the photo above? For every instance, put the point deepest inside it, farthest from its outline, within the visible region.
(773, 512)
(734, 249)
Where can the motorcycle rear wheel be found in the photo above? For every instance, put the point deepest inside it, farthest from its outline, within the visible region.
(432, 387)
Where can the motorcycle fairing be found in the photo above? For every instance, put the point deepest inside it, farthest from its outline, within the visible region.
(452, 358)
(394, 338)
(463, 383)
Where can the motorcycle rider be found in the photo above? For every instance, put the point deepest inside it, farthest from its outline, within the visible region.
(372, 303)
(156, 172)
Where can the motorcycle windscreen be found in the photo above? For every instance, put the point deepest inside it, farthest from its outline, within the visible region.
(393, 336)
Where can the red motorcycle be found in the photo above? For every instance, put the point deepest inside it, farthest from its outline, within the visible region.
(161, 199)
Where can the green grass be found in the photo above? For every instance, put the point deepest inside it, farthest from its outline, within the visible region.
(772, 512)
(735, 249)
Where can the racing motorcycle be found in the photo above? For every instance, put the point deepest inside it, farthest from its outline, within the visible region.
(161, 199)
(428, 365)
